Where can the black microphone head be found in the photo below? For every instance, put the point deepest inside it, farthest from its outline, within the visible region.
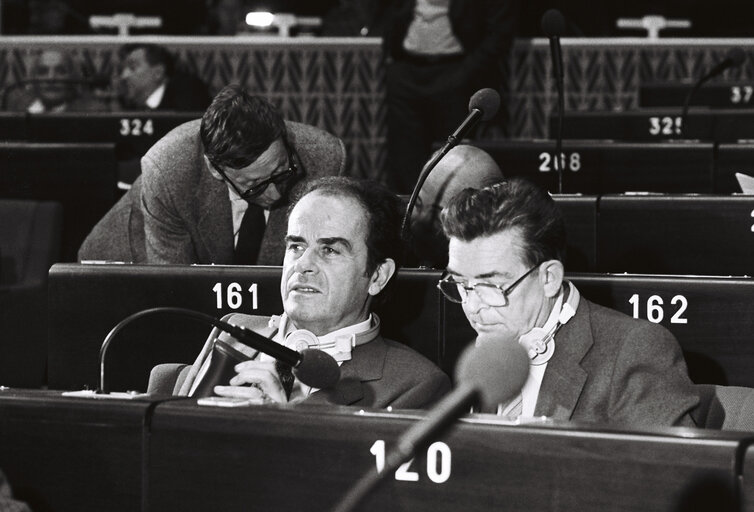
(498, 370)
(736, 56)
(553, 23)
(487, 101)
(317, 369)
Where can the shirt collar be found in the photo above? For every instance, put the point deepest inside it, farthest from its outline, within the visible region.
(155, 98)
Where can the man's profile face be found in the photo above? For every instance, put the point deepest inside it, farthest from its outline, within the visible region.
(138, 78)
(56, 66)
(274, 160)
(498, 259)
(324, 284)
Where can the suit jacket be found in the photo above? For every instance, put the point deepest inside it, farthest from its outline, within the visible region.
(381, 373)
(611, 368)
(185, 92)
(176, 212)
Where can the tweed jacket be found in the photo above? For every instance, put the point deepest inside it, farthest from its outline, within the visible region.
(611, 368)
(381, 373)
(177, 213)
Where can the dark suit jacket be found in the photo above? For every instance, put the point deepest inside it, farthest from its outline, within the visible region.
(176, 212)
(381, 373)
(611, 368)
(185, 92)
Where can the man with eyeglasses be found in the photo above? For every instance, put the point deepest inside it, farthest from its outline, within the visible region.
(216, 190)
(587, 362)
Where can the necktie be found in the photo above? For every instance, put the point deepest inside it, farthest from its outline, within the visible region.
(250, 236)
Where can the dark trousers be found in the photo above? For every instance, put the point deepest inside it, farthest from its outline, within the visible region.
(425, 104)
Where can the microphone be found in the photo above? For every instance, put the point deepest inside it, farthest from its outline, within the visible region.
(488, 374)
(314, 368)
(553, 25)
(483, 105)
(733, 58)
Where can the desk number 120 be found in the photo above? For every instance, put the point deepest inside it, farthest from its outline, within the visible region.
(438, 463)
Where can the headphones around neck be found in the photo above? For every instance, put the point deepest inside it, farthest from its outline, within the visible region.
(538, 342)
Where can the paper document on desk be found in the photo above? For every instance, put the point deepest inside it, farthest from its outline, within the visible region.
(746, 183)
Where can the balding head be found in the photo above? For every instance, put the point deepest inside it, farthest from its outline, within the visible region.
(53, 65)
(462, 167)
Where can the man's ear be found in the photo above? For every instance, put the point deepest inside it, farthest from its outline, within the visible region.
(212, 169)
(381, 276)
(551, 275)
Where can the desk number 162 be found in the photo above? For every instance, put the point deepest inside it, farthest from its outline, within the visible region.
(438, 463)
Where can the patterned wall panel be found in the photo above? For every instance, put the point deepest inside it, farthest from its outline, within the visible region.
(337, 84)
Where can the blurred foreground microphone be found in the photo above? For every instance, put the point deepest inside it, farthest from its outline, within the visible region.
(313, 367)
(486, 375)
(734, 58)
(483, 105)
(553, 25)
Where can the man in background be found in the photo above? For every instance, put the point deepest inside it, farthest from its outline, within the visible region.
(462, 167)
(149, 80)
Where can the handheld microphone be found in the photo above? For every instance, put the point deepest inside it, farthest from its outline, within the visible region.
(488, 374)
(553, 25)
(483, 105)
(733, 58)
(313, 367)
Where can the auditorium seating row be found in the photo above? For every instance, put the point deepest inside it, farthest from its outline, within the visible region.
(711, 317)
(619, 233)
(154, 453)
(616, 166)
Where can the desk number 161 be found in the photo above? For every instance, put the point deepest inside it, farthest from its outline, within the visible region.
(438, 463)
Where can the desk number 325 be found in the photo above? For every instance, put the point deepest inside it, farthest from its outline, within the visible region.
(438, 463)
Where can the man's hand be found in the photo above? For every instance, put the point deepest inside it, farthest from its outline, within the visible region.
(257, 381)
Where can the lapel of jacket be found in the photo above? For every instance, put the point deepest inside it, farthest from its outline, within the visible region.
(564, 378)
(367, 364)
(215, 220)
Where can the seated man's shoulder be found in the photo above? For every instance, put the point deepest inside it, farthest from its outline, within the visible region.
(401, 357)
(611, 324)
(255, 323)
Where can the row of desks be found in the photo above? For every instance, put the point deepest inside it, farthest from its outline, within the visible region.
(78, 454)
(711, 317)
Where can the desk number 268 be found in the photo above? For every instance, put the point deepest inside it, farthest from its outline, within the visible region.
(438, 463)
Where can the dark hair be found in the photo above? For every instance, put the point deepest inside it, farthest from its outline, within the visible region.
(238, 127)
(153, 53)
(512, 204)
(382, 208)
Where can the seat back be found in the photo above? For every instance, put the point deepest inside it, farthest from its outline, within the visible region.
(725, 407)
(30, 242)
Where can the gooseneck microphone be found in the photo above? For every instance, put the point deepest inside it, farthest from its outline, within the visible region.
(313, 367)
(491, 373)
(553, 26)
(483, 105)
(733, 58)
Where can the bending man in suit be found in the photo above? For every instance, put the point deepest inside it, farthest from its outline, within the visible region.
(200, 181)
(588, 363)
(342, 249)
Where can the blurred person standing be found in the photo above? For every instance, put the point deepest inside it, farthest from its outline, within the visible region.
(439, 52)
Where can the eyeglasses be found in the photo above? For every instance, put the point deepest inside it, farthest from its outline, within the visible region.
(258, 188)
(491, 294)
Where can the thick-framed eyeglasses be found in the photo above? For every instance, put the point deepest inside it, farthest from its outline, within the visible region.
(491, 294)
(258, 188)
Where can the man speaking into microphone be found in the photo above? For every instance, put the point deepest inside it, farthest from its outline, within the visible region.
(342, 249)
(587, 363)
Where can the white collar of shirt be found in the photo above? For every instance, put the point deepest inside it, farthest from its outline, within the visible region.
(37, 107)
(155, 98)
(530, 391)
